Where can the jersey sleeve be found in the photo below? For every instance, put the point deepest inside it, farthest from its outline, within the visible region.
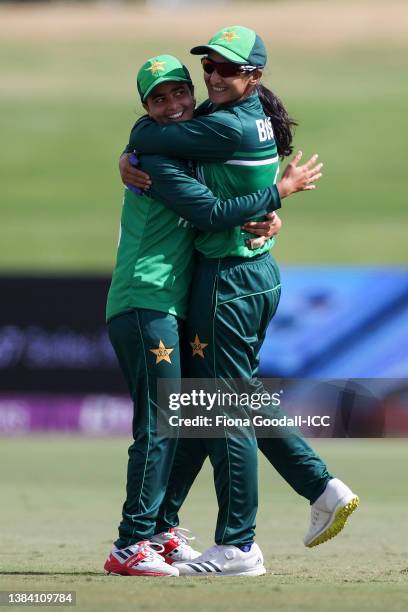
(212, 137)
(190, 199)
(204, 109)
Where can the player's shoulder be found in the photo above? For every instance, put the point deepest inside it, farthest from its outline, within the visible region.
(223, 123)
(207, 110)
(251, 105)
(140, 123)
(227, 115)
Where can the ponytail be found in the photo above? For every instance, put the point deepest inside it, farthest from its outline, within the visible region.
(283, 125)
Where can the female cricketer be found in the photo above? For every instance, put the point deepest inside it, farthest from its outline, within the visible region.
(147, 302)
(235, 293)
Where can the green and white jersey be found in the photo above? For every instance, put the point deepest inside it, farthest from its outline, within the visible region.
(156, 245)
(154, 260)
(236, 154)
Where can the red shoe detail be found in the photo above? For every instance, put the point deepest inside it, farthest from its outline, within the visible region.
(170, 545)
(113, 566)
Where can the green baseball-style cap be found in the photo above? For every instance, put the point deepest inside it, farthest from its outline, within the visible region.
(158, 70)
(238, 45)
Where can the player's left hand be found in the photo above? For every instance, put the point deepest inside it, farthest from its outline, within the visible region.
(131, 175)
(268, 228)
(263, 229)
(299, 178)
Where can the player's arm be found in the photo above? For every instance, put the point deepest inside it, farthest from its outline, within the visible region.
(212, 137)
(209, 137)
(295, 178)
(190, 199)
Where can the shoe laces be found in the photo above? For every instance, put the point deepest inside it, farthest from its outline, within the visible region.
(180, 535)
(151, 550)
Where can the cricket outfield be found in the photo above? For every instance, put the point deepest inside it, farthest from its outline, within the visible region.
(61, 505)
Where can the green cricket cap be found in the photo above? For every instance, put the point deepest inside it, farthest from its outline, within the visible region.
(237, 44)
(158, 70)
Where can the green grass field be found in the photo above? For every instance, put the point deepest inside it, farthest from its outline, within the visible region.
(61, 500)
(69, 99)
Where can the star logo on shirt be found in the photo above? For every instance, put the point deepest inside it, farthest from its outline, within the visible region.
(156, 67)
(229, 36)
(198, 346)
(162, 353)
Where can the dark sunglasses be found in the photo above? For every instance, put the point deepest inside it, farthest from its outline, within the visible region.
(225, 69)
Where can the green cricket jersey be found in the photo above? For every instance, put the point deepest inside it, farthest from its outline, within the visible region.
(156, 245)
(237, 154)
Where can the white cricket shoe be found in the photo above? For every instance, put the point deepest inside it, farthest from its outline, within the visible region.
(141, 559)
(221, 560)
(330, 512)
(176, 547)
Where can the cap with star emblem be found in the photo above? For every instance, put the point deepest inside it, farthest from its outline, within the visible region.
(237, 44)
(159, 69)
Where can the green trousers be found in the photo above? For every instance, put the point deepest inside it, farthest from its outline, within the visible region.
(232, 303)
(147, 346)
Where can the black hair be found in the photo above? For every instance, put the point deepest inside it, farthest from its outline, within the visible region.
(283, 125)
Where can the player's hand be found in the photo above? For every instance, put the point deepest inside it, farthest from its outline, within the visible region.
(131, 175)
(263, 229)
(299, 178)
(268, 228)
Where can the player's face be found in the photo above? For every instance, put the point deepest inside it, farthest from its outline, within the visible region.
(226, 90)
(170, 101)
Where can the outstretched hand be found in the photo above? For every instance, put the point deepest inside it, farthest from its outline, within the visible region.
(299, 178)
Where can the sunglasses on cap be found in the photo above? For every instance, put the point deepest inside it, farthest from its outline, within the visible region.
(225, 69)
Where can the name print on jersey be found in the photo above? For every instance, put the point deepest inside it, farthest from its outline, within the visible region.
(265, 130)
